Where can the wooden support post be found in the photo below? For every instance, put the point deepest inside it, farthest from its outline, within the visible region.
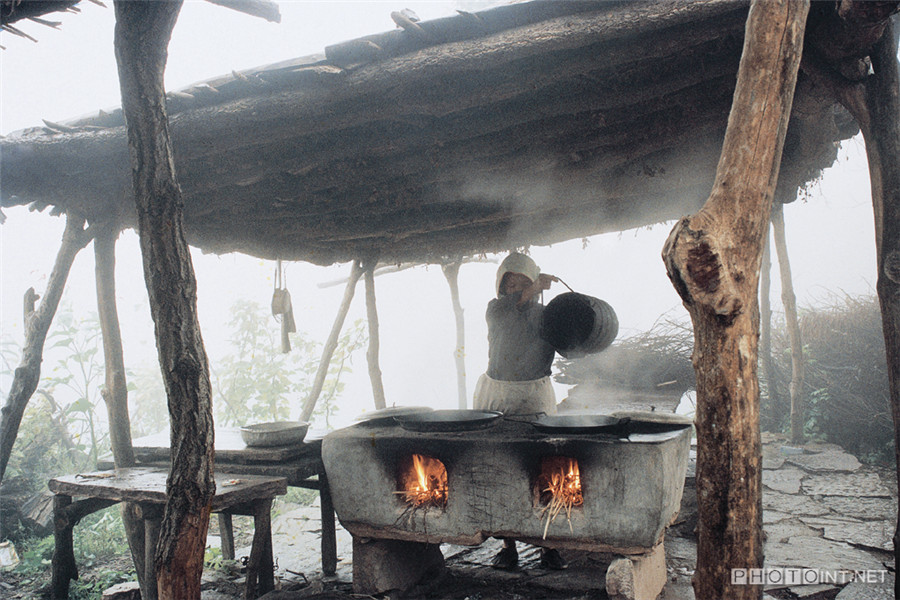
(66, 515)
(374, 341)
(37, 323)
(330, 346)
(115, 390)
(882, 135)
(260, 566)
(875, 104)
(226, 534)
(64, 567)
(451, 273)
(713, 259)
(142, 35)
(767, 369)
(329, 542)
(792, 321)
(152, 524)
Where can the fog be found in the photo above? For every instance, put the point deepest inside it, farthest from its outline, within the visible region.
(72, 72)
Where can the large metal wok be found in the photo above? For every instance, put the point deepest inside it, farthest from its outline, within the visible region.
(448, 420)
(580, 423)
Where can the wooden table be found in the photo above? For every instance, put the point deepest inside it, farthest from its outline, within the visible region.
(146, 486)
(301, 464)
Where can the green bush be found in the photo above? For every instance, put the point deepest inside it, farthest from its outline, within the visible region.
(845, 390)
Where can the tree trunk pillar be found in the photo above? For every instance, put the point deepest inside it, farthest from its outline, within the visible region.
(142, 35)
(882, 134)
(713, 259)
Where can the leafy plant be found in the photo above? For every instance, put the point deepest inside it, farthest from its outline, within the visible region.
(258, 383)
(78, 374)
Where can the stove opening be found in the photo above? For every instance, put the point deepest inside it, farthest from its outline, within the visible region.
(558, 488)
(423, 482)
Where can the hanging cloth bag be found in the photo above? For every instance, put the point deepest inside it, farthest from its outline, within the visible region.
(282, 309)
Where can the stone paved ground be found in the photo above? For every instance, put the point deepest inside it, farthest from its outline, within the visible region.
(822, 510)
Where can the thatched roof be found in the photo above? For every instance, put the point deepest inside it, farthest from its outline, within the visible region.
(525, 124)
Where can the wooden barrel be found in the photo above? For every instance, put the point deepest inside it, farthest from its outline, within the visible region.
(577, 324)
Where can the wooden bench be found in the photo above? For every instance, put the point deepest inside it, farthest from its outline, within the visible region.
(301, 464)
(146, 486)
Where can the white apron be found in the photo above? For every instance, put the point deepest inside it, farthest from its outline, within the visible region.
(515, 397)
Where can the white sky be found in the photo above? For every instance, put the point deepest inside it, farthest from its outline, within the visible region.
(72, 72)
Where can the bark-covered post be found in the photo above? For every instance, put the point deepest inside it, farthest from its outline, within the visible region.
(874, 103)
(882, 134)
(792, 322)
(766, 364)
(115, 390)
(142, 35)
(451, 272)
(713, 260)
(331, 344)
(37, 323)
(374, 340)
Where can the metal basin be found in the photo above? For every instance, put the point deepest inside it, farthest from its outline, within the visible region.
(276, 433)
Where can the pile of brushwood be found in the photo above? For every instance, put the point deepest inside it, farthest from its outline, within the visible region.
(845, 393)
(652, 361)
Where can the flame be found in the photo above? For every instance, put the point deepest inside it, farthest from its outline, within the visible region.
(560, 486)
(425, 483)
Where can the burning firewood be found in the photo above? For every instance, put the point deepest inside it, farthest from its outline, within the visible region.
(560, 489)
(426, 483)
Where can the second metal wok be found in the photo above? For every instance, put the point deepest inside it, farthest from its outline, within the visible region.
(448, 420)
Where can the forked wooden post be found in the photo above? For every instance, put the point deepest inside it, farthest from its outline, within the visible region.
(713, 260)
(37, 324)
(355, 273)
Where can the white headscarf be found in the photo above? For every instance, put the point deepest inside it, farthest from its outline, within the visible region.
(517, 263)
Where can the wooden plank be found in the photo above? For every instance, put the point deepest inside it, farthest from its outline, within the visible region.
(143, 484)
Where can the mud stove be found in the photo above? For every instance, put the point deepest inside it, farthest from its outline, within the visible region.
(401, 493)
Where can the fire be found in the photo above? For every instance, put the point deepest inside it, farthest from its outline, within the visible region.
(560, 486)
(425, 483)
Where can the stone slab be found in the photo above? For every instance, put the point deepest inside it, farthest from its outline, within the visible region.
(785, 480)
(831, 461)
(845, 484)
(873, 534)
(805, 591)
(386, 565)
(637, 578)
(818, 553)
(862, 508)
(792, 504)
(774, 461)
(816, 447)
(774, 516)
(868, 591)
(784, 531)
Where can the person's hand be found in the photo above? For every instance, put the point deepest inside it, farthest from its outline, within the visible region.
(544, 280)
(537, 286)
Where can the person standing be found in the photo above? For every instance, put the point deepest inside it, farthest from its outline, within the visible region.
(517, 381)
